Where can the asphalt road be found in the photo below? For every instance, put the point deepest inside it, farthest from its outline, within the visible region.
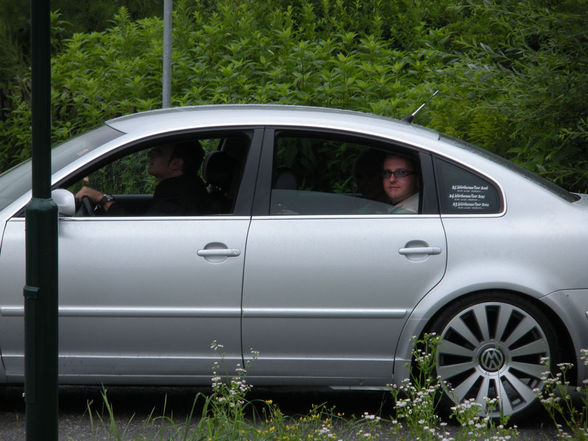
(133, 405)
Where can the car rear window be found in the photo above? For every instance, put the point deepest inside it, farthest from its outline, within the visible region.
(463, 191)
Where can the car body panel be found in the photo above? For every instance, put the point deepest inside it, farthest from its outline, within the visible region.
(573, 304)
(186, 118)
(321, 291)
(530, 261)
(131, 310)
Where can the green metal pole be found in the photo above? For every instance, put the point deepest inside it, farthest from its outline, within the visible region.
(166, 76)
(41, 287)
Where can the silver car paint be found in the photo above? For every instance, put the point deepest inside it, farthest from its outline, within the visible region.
(527, 251)
(536, 247)
(335, 291)
(182, 308)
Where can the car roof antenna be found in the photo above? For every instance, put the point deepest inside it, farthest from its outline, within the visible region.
(410, 117)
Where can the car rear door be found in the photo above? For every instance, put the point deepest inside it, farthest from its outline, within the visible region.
(331, 275)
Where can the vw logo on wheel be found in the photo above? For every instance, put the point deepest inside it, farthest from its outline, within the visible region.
(492, 359)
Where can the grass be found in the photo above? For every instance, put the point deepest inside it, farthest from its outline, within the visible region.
(570, 420)
(226, 414)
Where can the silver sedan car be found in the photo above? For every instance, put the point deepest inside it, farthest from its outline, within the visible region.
(325, 240)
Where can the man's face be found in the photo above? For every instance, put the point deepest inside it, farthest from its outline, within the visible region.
(398, 188)
(160, 165)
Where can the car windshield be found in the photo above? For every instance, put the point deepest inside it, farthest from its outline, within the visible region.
(539, 180)
(17, 181)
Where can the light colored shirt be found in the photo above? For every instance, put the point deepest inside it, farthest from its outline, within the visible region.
(411, 203)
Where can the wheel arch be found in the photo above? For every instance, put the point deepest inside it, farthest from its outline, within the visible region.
(563, 335)
(423, 325)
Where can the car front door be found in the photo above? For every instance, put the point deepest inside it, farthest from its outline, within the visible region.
(333, 269)
(141, 298)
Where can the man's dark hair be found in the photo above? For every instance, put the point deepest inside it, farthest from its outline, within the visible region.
(407, 158)
(191, 153)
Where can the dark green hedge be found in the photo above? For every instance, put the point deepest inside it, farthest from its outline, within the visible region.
(512, 74)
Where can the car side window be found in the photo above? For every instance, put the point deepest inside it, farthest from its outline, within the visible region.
(178, 176)
(124, 175)
(331, 175)
(463, 191)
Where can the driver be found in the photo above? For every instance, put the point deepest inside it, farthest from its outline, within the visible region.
(179, 191)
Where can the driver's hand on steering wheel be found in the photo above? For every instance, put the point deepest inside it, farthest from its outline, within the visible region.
(94, 195)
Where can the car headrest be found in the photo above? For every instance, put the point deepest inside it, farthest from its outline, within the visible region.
(286, 180)
(219, 169)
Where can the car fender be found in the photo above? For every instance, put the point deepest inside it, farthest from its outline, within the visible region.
(532, 263)
(573, 304)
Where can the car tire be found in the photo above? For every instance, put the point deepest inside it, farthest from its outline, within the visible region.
(494, 345)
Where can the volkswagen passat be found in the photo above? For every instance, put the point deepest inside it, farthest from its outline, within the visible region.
(326, 240)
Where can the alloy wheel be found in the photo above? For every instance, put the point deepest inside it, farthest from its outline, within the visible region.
(493, 350)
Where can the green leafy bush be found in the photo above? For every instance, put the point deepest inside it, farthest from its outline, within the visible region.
(512, 74)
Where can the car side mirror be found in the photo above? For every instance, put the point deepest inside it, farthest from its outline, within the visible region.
(65, 200)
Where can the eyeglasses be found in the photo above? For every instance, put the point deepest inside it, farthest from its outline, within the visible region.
(398, 174)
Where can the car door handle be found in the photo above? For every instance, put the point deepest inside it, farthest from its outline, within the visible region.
(419, 250)
(222, 252)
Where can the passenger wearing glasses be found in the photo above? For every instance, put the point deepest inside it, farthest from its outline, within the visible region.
(400, 183)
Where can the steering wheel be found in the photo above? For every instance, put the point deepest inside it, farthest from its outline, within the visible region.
(87, 208)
